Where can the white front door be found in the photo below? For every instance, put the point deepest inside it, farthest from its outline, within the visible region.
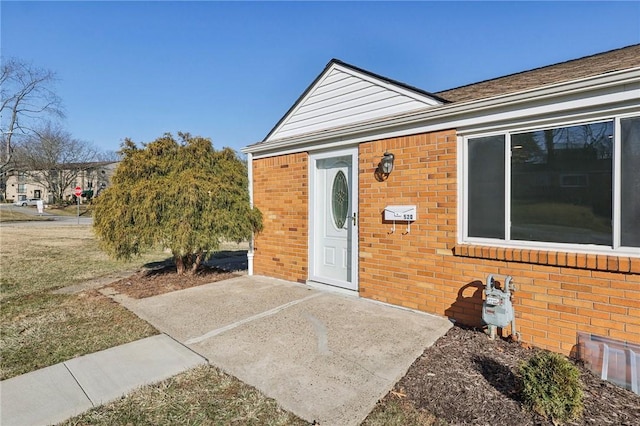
(333, 218)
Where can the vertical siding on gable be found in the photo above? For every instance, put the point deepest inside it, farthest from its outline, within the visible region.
(557, 295)
(280, 191)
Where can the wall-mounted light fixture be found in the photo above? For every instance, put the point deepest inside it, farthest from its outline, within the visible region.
(385, 167)
(386, 164)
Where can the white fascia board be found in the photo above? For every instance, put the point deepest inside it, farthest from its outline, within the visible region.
(621, 86)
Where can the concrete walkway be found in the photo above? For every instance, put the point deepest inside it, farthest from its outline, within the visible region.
(326, 357)
(55, 393)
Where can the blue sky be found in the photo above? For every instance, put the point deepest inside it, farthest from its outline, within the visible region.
(230, 70)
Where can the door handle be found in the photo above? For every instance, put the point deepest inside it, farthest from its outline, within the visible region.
(354, 218)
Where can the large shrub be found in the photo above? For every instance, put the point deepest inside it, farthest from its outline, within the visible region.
(550, 386)
(182, 195)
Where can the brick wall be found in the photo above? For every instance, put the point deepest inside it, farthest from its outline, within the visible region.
(558, 294)
(280, 188)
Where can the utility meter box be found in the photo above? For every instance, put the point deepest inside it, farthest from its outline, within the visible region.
(400, 213)
(497, 308)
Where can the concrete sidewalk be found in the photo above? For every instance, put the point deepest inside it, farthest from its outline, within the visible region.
(324, 356)
(55, 393)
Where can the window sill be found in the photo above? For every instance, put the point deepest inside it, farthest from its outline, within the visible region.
(595, 262)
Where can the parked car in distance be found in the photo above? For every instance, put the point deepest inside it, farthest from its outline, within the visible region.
(27, 202)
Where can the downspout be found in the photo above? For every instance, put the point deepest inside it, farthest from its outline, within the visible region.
(250, 175)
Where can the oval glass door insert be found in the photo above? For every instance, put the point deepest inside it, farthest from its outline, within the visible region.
(340, 199)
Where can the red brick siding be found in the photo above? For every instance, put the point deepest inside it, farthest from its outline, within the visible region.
(280, 191)
(558, 294)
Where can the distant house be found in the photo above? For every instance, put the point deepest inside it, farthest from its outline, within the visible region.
(535, 175)
(92, 177)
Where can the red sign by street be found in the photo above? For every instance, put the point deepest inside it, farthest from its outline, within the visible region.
(78, 191)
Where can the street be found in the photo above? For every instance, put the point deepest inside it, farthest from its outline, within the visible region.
(53, 219)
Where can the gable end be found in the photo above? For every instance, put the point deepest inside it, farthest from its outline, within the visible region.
(343, 95)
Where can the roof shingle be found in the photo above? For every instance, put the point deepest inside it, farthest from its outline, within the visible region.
(601, 63)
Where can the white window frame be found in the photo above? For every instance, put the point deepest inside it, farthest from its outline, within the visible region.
(507, 242)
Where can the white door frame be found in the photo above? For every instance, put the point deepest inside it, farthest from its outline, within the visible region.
(313, 208)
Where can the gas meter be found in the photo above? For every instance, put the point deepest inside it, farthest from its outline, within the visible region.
(497, 309)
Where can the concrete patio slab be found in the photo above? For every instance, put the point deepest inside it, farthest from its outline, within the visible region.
(201, 309)
(327, 357)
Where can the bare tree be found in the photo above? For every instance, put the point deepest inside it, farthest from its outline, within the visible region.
(53, 158)
(26, 98)
(108, 156)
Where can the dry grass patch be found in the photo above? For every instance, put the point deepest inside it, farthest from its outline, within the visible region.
(9, 215)
(41, 258)
(203, 396)
(38, 328)
(69, 210)
(395, 411)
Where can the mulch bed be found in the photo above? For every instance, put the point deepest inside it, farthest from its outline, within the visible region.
(467, 379)
(147, 283)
